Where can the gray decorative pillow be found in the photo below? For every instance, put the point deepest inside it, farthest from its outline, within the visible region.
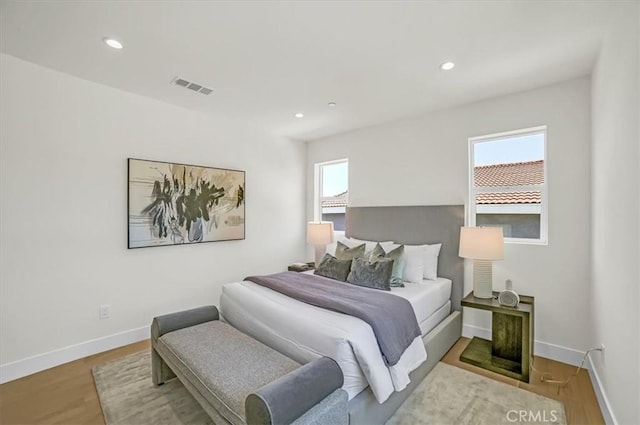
(343, 252)
(333, 268)
(374, 275)
(397, 255)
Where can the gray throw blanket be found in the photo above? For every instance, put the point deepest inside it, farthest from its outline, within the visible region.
(391, 317)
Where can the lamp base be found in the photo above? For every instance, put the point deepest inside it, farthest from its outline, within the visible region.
(320, 251)
(483, 279)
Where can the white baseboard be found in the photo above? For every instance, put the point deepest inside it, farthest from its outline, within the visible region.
(24, 367)
(601, 395)
(540, 348)
(469, 331)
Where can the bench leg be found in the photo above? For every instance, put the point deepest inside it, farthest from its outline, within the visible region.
(160, 371)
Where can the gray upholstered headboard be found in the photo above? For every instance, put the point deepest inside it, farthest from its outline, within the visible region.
(415, 225)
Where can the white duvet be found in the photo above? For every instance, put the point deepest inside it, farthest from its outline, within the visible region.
(305, 332)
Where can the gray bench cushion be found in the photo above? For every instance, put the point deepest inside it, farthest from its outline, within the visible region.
(228, 364)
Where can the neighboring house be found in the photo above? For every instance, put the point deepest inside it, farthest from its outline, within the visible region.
(517, 211)
(334, 209)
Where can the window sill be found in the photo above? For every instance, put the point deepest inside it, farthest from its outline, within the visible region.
(519, 241)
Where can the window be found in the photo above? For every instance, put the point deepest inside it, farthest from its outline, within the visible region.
(508, 184)
(332, 192)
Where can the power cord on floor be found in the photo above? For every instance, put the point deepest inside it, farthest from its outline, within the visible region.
(561, 384)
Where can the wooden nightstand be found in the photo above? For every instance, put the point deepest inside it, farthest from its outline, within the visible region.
(301, 267)
(510, 351)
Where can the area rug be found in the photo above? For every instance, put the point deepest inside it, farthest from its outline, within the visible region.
(448, 395)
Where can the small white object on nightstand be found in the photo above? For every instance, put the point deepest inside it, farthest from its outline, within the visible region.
(508, 297)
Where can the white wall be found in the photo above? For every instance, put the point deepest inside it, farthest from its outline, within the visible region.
(615, 231)
(424, 161)
(64, 148)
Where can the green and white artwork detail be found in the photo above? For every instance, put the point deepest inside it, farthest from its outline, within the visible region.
(172, 204)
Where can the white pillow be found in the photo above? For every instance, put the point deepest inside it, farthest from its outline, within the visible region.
(413, 261)
(421, 261)
(431, 253)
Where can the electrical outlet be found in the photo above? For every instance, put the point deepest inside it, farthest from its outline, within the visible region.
(105, 311)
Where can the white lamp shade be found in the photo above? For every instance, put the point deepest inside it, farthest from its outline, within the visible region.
(481, 243)
(320, 232)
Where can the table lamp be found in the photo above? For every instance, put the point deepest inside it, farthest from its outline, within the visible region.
(483, 245)
(320, 234)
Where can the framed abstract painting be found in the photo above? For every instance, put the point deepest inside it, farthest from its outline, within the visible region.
(174, 204)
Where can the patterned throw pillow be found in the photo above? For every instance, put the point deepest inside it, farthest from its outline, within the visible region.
(343, 252)
(333, 268)
(397, 255)
(374, 275)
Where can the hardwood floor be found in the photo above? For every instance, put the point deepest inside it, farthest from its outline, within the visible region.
(63, 395)
(580, 402)
(66, 394)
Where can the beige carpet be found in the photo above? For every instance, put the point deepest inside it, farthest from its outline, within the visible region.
(448, 395)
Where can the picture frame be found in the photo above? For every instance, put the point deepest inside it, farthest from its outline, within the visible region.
(171, 203)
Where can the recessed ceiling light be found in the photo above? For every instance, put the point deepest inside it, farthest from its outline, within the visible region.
(332, 104)
(299, 115)
(447, 66)
(112, 42)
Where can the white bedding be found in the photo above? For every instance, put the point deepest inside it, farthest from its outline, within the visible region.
(426, 298)
(305, 332)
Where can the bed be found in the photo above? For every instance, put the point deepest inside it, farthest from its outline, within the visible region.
(305, 332)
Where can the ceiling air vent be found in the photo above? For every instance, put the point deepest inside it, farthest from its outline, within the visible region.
(182, 83)
(191, 86)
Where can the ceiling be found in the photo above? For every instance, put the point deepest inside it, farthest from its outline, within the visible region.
(265, 61)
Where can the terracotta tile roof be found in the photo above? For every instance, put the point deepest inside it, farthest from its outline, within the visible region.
(512, 174)
(509, 198)
(339, 200)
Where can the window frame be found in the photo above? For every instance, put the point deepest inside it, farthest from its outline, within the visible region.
(317, 192)
(543, 188)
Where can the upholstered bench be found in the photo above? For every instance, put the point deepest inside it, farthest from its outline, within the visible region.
(238, 380)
